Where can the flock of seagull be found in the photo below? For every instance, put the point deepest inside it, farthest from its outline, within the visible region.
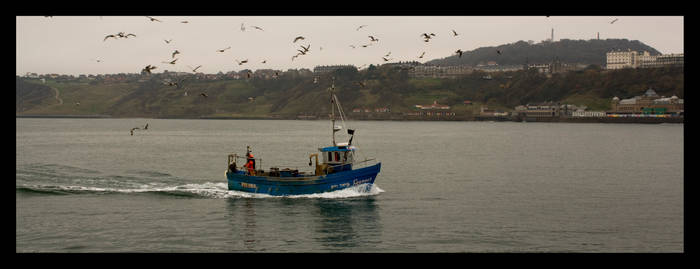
(304, 50)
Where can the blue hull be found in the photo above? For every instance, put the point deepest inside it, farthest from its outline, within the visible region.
(302, 185)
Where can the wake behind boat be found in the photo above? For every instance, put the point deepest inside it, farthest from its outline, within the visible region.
(337, 169)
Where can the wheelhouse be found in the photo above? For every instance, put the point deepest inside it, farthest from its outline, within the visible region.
(340, 157)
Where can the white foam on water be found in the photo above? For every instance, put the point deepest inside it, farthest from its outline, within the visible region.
(220, 190)
(354, 191)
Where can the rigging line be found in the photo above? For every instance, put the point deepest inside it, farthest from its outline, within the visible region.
(342, 119)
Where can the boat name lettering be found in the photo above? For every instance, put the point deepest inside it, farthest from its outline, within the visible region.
(357, 182)
(248, 185)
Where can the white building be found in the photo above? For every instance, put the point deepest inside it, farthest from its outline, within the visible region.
(621, 59)
(583, 113)
(634, 59)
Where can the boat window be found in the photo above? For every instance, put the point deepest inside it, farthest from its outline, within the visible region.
(330, 156)
(337, 156)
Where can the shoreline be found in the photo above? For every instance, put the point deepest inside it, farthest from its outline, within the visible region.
(492, 119)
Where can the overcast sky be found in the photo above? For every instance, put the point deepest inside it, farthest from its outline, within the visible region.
(74, 44)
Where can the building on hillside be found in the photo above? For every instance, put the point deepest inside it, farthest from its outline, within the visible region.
(634, 59)
(547, 109)
(661, 61)
(432, 71)
(555, 67)
(434, 109)
(649, 103)
(330, 68)
(484, 111)
(588, 114)
(433, 106)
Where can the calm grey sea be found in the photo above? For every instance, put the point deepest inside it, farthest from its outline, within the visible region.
(87, 185)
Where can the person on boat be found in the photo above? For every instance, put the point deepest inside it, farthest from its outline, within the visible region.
(232, 167)
(250, 165)
(250, 158)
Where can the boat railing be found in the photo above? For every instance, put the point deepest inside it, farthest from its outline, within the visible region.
(366, 162)
(357, 164)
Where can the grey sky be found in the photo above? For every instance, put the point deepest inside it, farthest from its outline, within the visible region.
(72, 44)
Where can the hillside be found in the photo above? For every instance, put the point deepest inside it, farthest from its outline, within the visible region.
(289, 96)
(566, 50)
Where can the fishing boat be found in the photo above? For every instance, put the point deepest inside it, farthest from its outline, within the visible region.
(336, 168)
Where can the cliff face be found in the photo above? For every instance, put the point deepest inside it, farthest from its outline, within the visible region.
(565, 50)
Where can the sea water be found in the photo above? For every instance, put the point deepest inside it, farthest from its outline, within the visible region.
(87, 185)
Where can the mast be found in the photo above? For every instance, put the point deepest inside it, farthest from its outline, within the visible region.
(333, 130)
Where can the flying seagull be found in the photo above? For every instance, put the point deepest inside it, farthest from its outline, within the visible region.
(261, 29)
(613, 21)
(387, 55)
(153, 19)
(298, 38)
(176, 52)
(306, 49)
(358, 28)
(454, 33)
(222, 50)
(184, 22)
(171, 62)
(241, 62)
(251, 99)
(167, 41)
(242, 27)
(427, 37)
(459, 51)
(146, 127)
(132, 130)
(264, 61)
(385, 59)
(127, 36)
(204, 94)
(371, 38)
(148, 68)
(108, 36)
(195, 69)
(421, 56)
(499, 52)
